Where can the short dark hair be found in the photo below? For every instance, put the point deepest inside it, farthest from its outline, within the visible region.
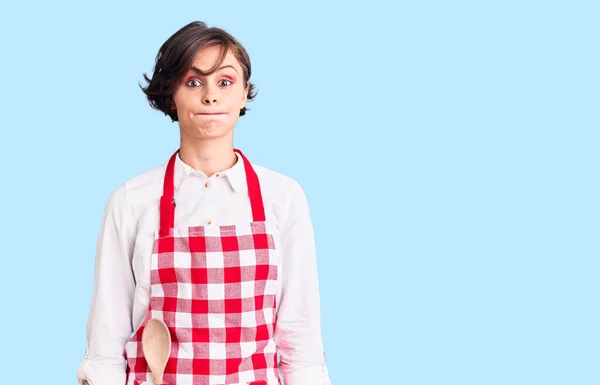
(175, 58)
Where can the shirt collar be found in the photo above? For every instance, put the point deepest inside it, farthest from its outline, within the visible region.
(236, 174)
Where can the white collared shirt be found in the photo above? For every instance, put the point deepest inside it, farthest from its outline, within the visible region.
(122, 277)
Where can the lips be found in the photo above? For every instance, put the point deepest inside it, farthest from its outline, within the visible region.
(211, 113)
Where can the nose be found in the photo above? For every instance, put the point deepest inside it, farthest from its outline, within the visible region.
(208, 100)
(209, 97)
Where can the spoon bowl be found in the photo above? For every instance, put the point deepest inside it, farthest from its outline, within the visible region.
(156, 345)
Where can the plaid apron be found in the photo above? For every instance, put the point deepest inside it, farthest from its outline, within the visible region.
(215, 288)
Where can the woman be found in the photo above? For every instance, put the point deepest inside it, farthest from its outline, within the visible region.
(220, 249)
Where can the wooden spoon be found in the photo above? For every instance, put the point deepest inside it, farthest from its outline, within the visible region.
(156, 345)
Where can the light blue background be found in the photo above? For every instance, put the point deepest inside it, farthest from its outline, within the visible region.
(449, 151)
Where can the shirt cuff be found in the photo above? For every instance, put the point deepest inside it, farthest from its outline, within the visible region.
(312, 375)
(97, 374)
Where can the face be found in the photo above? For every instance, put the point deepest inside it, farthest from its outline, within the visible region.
(208, 107)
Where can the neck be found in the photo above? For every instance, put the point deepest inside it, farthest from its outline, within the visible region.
(208, 156)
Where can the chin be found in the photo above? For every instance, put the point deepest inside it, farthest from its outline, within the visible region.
(209, 131)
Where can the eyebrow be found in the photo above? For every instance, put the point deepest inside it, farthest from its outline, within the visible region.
(197, 70)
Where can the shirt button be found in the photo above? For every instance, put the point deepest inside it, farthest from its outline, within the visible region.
(207, 184)
(217, 175)
(208, 221)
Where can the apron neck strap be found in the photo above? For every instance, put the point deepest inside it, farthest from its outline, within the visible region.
(167, 201)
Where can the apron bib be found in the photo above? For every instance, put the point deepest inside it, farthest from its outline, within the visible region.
(215, 287)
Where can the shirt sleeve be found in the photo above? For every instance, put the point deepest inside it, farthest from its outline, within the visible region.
(298, 323)
(109, 324)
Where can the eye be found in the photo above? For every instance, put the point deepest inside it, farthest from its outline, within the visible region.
(194, 83)
(229, 82)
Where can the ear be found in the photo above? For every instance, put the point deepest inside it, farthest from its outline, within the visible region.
(245, 98)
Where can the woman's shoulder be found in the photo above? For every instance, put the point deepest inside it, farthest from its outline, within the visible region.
(280, 191)
(276, 181)
(149, 179)
(144, 187)
(283, 197)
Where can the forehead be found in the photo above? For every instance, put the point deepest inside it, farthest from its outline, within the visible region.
(208, 58)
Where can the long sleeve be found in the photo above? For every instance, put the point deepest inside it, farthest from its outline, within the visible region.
(109, 323)
(298, 322)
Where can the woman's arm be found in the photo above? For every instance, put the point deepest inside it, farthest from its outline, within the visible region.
(298, 325)
(109, 324)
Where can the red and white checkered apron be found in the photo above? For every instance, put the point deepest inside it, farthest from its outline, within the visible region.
(215, 288)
